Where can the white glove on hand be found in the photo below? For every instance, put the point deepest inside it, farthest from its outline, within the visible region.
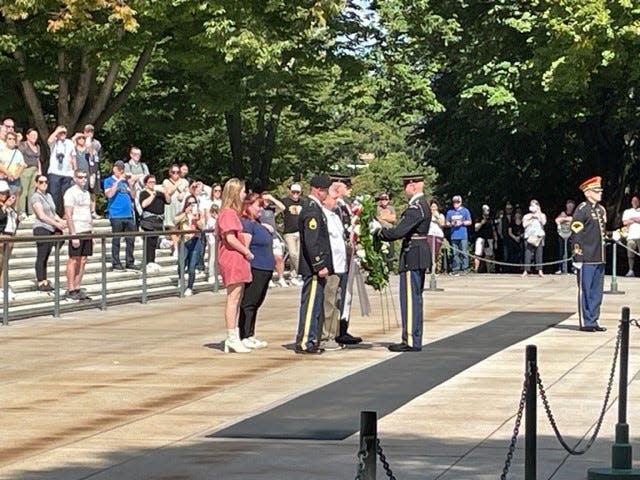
(616, 236)
(577, 265)
(374, 226)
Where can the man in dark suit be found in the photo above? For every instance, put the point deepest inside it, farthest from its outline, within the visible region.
(315, 265)
(415, 259)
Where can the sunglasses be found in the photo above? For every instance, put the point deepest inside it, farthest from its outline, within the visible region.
(81, 177)
(191, 203)
(43, 181)
(175, 171)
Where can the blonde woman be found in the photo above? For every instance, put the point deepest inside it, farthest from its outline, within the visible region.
(233, 259)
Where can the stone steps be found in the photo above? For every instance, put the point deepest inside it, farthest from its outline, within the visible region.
(122, 286)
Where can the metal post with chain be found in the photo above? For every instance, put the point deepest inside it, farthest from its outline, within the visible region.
(383, 460)
(552, 421)
(516, 429)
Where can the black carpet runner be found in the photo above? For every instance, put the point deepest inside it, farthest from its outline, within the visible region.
(332, 412)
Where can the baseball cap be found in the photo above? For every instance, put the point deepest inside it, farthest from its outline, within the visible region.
(4, 186)
(295, 187)
(119, 164)
(485, 208)
(456, 198)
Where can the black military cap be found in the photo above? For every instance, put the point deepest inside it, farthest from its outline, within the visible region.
(320, 181)
(414, 177)
(341, 178)
(382, 196)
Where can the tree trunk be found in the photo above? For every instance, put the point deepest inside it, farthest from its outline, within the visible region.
(233, 121)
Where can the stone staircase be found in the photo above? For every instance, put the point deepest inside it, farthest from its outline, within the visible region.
(121, 286)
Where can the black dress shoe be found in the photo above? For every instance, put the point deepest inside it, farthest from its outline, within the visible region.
(598, 328)
(132, 267)
(309, 351)
(403, 347)
(118, 267)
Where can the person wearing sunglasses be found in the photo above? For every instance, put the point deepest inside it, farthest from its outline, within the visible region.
(47, 222)
(77, 209)
(191, 219)
(178, 189)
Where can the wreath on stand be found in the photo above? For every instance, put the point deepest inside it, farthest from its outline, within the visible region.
(370, 251)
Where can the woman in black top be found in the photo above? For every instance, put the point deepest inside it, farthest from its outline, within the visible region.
(152, 200)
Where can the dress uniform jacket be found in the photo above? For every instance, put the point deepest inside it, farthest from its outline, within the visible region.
(315, 248)
(588, 227)
(412, 229)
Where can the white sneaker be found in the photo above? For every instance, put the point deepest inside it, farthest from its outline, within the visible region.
(257, 343)
(248, 343)
(188, 292)
(153, 267)
(282, 282)
(271, 284)
(298, 282)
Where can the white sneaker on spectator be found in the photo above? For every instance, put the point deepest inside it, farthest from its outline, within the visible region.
(257, 343)
(630, 274)
(248, 343)
(298, 282)
(271, 284)
(282, 282)
(153, 267)
(188, 292)
(95, 216)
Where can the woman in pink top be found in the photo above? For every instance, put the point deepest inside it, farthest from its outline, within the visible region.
(233, 259)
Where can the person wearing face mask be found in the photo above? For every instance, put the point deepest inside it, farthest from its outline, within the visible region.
(533, 223)
(588, 227)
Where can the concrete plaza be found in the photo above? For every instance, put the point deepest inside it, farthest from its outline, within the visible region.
(133, 392)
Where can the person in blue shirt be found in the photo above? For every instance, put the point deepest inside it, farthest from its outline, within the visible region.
(260, 242)
(120, 193)
(458, 219)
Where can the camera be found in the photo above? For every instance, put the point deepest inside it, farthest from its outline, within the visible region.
(60, 157)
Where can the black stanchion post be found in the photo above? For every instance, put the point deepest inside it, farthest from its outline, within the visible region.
(531, 427)
(614, 275)
(103, 260)
(145, 240)
(368, 442)
(621, 454)
(58, 284)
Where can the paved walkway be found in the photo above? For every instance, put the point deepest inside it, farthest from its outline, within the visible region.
(131, 393)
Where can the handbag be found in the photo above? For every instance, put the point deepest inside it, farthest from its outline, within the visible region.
(534, 240)
(151, 222)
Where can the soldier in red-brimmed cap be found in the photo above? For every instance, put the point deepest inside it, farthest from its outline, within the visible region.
(588, 227)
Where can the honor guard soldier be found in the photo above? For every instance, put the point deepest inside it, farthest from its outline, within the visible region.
(346, 282)
(414, 260)
(315, 265)
(588, 227)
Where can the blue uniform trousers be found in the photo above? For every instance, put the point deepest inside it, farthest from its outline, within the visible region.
(311, 299)
(590, 286)
(411, 286)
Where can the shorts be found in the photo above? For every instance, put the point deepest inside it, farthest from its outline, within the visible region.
(278, 247)
(484, 247)
(85, 249)
(633, 243)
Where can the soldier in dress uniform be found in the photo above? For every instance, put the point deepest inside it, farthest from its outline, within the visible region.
(414, 260)
(346, 282)
(588, 227)
(315, 265)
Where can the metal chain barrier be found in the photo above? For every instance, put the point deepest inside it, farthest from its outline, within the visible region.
(624, 245)
(552, 421)
(383, 460)
(516, 430)
(507, 264)
(633, 321)
(362, 455)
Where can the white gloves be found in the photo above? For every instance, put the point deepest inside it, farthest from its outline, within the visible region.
(616, 236)
(577, 265)
(374, 226)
